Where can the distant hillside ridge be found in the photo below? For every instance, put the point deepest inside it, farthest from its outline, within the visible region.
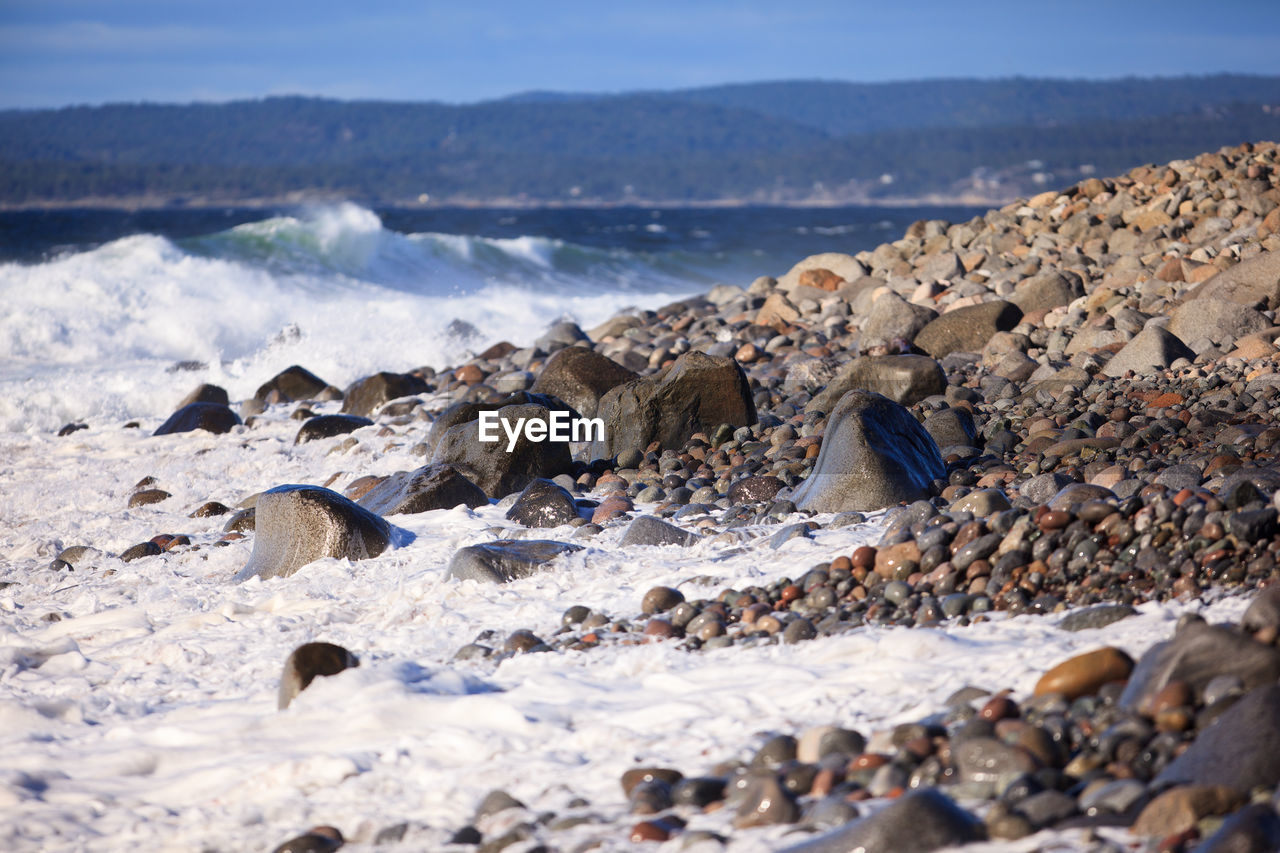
(780, 142)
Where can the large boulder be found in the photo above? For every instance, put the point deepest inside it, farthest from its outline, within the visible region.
(506, 560)
(967, 329)
(893, 318)
(1196, 654)
(292, 383)
(327, 426)
(1219, 320)
(696, 394)
(1241, 749)
(844, 266)
(461, 413)
(297, 525)
(430, 487)
(1254, 282)
(210, 417)
(366, 395)
(1152, 350)
(543, 504)
(306, 663)
(500, 467)
(580, 377)
(904, 379)
(1049, 289)
(874, 455)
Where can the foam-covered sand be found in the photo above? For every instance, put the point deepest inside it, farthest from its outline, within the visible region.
(145, 718)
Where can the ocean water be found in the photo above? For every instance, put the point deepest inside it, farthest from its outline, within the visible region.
(100, 306)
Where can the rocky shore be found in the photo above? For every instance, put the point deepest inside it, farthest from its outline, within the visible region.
(1066, 410)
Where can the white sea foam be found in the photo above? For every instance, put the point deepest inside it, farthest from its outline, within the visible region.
(145, 717)
(90, 335)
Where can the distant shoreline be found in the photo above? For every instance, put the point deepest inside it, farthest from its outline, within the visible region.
(139, 203)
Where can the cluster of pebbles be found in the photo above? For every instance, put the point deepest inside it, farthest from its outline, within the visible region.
(1068, 406)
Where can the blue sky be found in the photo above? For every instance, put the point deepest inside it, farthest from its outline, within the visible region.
(59, 52)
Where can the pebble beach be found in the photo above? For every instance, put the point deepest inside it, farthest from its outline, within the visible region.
(967, 541)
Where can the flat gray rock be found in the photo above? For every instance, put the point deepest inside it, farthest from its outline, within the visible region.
(297, 525)
(1198, 653)
(506, 560)
(647, 530)
(874, 455)
(967, 329)
(1152, 350)
(904, 379)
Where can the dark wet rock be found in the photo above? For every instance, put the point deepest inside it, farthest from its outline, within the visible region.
(580, 377)
(1047, 290)
(495, 802)
(561, 334)
(210, 509)
(951, 427)
(431, 487)
(319, 839)
(325, 426)
(210, 417)
(506, 560)
(1241, 749)
(905, 379)
(967, 329)
(1196, 654)
(1152, 350)
(1263, 611)
(647, 530)
(764, 802)
(293, 383)
(241, 521)
(491, 466)
(874, 455)
(1098, 616)
(365, 396)
(919, 822)
(68, 429)
(207, 393)
(660, 599)
(146, 497)
(142, 549)
(297, 525)
(755, 489)
(1047, 808)
(699, 791)
(987, 766)
(1253, 829)
(462, 413)
(543, 504)
(697, 394)
(308, 661)
(1041, 488)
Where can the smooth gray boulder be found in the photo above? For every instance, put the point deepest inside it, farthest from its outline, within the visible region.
(1253, 282)
(1046, 290)
(461, 413)
(210, 417)
(952, 426)
(904, 379)
(919, 822)
(874, 455)
(506, 560)
(306, 663)
(1240, 749)
(647, 530)
(893, 318)
(580, 377)
(430, 487)
(497, 470)
(1152, 350)
(1196, 654)
(967, 329)
(1219, 320)
(696, 394)
(296, 525)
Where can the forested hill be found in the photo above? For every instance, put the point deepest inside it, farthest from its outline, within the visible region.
(761, 142)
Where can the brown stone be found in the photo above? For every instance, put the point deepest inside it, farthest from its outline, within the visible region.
(890, 558)
(1181, 808)
(1084, 674)
(822, 279)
